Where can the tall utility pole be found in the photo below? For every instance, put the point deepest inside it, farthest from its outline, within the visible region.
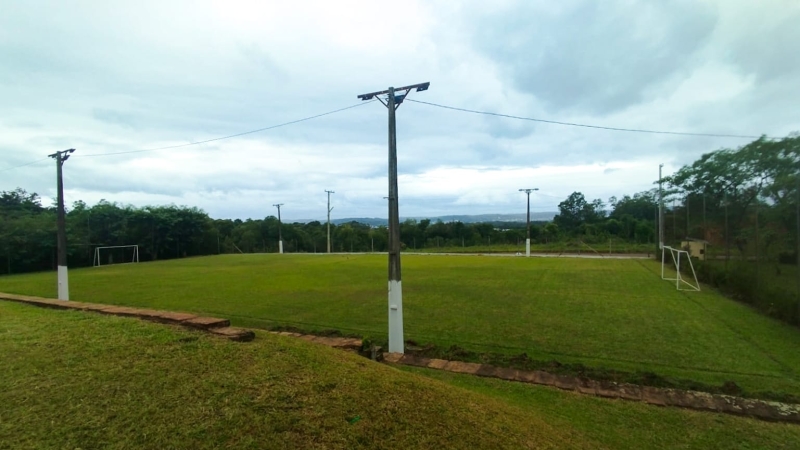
(280, 238)
(727, 240)
(660, 210)
(63, 277)
(674, 221)
(686, 207)
(393, 101)
(329, 218)
(797, 239)
(705, 233)
(528, 238)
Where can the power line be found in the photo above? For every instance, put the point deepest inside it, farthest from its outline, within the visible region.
(230, 136)
(23, 165)
(572, 124)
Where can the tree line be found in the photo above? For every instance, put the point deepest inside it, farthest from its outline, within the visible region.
(719, 198)
(28, 231)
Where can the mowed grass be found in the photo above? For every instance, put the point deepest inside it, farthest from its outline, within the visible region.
(81, 380)
(604, 313)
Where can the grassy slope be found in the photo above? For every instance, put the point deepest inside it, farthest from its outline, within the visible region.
(80, 380)
(605, 313)
(622, 424)
(72, 379)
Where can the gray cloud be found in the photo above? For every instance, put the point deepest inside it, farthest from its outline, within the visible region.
(594, 56)
(115, 78)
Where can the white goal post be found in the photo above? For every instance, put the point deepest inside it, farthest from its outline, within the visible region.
(132, 257)
(676, 256)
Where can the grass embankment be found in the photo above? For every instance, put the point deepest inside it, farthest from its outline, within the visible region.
(608, 315)
(80, 380)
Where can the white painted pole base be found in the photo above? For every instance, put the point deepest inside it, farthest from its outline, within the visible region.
(528, 247)
(396, 342)
(63, 283)
(280, 247)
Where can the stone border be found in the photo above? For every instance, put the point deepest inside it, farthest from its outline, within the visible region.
(702, 401)
(212, 325)
(760, 409)
(350, 344)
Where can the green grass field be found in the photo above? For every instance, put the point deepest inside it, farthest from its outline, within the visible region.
(73, 379)
(603, 313)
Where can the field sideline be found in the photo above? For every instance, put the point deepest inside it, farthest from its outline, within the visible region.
(604, 313)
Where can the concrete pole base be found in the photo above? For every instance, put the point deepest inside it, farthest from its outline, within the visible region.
(396, 342)
(63, 283)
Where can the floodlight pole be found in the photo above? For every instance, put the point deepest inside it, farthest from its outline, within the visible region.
(280, 238)
(396, 341)
(63, 277)
(797, 239)
(329, 218)
(660, 210)
(528, 238)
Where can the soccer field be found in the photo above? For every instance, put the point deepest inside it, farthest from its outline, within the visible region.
(603, 313)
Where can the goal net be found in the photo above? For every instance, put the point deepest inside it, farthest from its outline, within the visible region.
(115, 254)
(673, 263)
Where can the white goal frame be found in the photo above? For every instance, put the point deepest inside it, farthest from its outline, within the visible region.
(135, 259)
(675, 254)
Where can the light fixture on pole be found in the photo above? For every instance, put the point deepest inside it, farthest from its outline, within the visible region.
(393, 101)
(528, 227)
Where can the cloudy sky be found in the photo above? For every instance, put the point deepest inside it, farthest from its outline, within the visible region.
(108, 78)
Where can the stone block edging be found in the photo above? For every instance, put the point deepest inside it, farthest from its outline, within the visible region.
(760, 409)
(212, 325)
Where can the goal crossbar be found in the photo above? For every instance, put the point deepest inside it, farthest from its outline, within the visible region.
(133, 259)
(681, 283)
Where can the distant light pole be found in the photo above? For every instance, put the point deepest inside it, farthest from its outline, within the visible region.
(393, 101)
(528, 238)
(280, 238)
(329, 218)
(63, 276)
(660, 210)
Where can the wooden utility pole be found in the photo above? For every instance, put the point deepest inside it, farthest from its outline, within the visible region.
(660, 210)
(797, 242)
(63, 276)
(758, 253)
(705, 233)
(686, 206)
(727, 239)
(393, 101)
(280, 237)
(329, 219)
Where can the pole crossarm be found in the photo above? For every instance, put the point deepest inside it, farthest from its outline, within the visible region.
(419, 87)
(62, 155)
(398, 99)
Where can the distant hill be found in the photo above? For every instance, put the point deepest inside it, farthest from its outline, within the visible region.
(465, 218)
